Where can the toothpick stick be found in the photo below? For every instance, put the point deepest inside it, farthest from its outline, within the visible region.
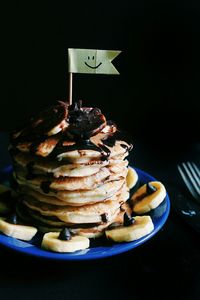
(70, 87)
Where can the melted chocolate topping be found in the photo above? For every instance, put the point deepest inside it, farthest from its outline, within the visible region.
(118, 136)
(65, 235)
(128, 220)
(104, 217)
(150, 189)
(81, 145)
(85, 122)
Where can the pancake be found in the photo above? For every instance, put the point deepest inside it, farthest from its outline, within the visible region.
(94, 231)
(45, 185)
(91, 230)
(82, 197)
(41, 166)
(83, 214)
(71, 169)
(84, 156)
(54, 201)
(43, 148)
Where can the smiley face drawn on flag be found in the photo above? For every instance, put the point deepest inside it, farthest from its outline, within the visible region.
(92, 61)
(93, 66)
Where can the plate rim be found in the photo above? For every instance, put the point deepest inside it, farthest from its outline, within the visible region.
(32, 250)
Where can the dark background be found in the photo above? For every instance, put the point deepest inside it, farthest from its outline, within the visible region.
(156, 97)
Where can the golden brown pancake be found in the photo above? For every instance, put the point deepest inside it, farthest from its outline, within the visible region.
(71, 168)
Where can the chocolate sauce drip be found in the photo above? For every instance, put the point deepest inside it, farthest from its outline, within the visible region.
(150, 189)
(85, 122)
(118, 136)
(128, 220)
(104, 217)
(105, 152)
(81, 144)
(76, 105)
(45, 186)
(125, 146)
(65, 235)
(122, 208)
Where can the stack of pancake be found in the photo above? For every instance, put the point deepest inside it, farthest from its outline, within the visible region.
(70, 167)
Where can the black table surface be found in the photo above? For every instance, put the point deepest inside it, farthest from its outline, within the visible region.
(165, 267)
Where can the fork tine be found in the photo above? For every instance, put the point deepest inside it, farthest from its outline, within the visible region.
(197, 170)
(187, 183)
(195, 177)
(192, 176)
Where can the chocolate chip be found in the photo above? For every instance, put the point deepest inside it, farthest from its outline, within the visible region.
(104, 217)
(65, 235)
(128, 220)
(150, 189)
(12, 219)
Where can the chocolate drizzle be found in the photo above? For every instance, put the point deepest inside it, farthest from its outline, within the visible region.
(81, 144)
(128, 220)
(65, 235)
(85, 122)
(104, 217)
(150, 189)
(118, 136)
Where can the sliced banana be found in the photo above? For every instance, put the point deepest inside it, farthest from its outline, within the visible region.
(52, 242)
(21, 232)
(131, 178)
(143, 202)
(142, 226)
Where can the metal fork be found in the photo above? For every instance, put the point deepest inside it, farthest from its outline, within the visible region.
(190, 174)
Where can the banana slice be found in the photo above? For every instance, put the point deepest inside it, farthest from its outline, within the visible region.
(52, 242)
(148, 197)
(131, 178)
(142, 226)
(21, 232)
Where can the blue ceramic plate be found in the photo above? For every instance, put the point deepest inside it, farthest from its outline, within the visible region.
(100, 248)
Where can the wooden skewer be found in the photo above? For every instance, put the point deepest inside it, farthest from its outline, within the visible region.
(70, 87)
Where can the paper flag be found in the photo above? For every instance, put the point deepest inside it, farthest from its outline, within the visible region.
(92, 61)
